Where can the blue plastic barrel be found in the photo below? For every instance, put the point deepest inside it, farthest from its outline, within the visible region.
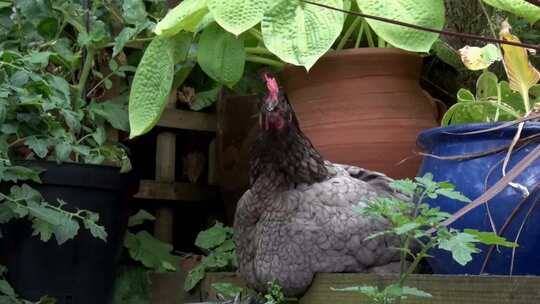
(472, 177)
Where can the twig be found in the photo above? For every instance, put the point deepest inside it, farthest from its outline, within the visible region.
(427, 29)
(488, 18)
(473, 155)
(533, 206)
(495, 189)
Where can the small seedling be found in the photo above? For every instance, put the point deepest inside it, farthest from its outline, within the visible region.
(413, 221)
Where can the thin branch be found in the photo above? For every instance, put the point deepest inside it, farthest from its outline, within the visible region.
(427, 29)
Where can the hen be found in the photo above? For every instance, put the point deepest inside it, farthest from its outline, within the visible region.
(297, 218)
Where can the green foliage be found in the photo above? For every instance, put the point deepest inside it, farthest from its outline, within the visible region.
(43, 111)
(132, 282)
(427, 13)
(225, 35)
(221, 55)
(274, 294)
(8, 295)
(494, 101)
(217, 240)
(414, 222)
(151, 86)
(300, 34)
(227, 290)
(386, 295)
(143, 247)
(520, 8)
(237, 16)
(185, 17)
(132, 286)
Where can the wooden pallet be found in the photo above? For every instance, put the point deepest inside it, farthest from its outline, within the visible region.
(164, 186)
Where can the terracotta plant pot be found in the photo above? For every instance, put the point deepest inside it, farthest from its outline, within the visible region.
(363, 107)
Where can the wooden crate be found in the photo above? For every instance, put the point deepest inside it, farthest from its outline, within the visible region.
(446, 289)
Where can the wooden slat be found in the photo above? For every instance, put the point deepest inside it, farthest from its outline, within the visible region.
(165, 173)
(212, 174)
(445, 289)
(188, 120)
(149, 189)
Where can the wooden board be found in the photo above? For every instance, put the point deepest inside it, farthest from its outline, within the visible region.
(446, 289)
(186, 192)
(188, 120)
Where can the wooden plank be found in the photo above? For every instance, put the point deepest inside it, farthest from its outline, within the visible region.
(188, 120)
(186, 192)
(445, 289)
(212, 178)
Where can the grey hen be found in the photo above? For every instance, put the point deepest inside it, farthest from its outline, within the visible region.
(297, 218)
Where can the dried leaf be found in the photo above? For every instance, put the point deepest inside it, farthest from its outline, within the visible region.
(521, 73)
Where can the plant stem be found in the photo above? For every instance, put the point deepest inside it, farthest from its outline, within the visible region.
(99, 83)
(427, 29)
(415, 263)
(146, 39)
(381, 42)
(369, 36)
(360, 34)
(258, 51)
(255, 33)
(87, 67)
(488, 18)
(525, 95)
(348, 33)
(267, 61)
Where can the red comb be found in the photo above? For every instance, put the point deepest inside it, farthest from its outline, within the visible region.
(272, 86)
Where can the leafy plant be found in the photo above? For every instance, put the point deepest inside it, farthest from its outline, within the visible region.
(274, 294)
(497, 100)
(230, 38)
(143, 247)
(58, 61)
(221, 257)
(420, 226)
(132, 283)
(8, 295)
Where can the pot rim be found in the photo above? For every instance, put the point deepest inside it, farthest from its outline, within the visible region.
(427, 138)
(354, 52)
(74, 174)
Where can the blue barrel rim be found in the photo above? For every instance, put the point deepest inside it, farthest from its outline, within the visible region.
(426, 137)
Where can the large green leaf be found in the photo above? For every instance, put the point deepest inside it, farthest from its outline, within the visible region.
(153, 253)
(300, 33)
(427, 13)
(221, 55)
(213, 237)
(490, 238)
(461, 245)
(186, 16)
(151, 86)
(521, 8)
(237, 16)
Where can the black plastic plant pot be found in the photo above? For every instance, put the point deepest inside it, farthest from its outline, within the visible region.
(81, 270)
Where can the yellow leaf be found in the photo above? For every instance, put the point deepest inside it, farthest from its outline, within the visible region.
(521, 74)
